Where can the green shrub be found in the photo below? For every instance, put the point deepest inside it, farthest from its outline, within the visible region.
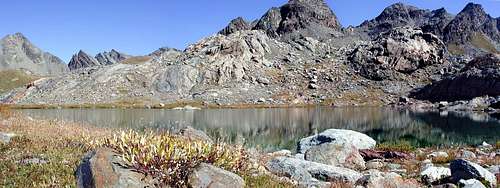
(172, 158)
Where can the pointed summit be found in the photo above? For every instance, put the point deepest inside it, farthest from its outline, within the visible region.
(112, 57)
(17, 52)
(82, 60)
(237, 24)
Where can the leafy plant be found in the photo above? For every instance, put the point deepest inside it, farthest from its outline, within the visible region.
(172, 158)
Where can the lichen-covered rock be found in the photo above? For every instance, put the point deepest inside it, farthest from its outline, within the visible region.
(308, 172)
(433, 173)
(337, 137)
(208, 176)
(336, 155)
(399, 51)
(465, 170)
(104, 168)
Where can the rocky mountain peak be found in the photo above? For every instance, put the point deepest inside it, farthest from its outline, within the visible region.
(112, 57)
(17, 52)
(312, 18)
(237, 24)
(82, 60)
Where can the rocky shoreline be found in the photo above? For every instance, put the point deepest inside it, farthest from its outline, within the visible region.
(332, 158)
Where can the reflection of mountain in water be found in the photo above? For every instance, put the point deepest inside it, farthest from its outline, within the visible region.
(281, 128)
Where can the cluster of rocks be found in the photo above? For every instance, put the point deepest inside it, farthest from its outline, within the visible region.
(295, 54)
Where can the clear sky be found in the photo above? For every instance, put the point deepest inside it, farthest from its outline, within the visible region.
(137, 27)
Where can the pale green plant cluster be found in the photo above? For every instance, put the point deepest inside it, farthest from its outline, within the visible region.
(171, 158)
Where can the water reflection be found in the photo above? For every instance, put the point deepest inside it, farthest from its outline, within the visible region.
(281, 128)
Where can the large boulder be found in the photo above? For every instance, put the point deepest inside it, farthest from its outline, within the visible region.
(396, 53)
(480, 77)
(194, 134)
(462, 169)
(104, 168)
(208, 176)
(336, 155)
(337, 137)
(307, 172)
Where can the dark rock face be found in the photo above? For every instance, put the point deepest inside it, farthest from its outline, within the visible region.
(399, 15)
(312, 18)
(112, 57)
(473, 25)
(82, 60)
(401, 50)
(237, 24)
(480, 77)
(465, 170)
(17, 52)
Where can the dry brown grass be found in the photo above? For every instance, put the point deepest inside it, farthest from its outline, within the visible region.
(11, 79)
(136, 60)
(480, 41)
(455, 49)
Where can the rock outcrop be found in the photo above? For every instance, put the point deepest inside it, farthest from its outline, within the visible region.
(473, 29)
(399, 51)
(465, 170)
(17, 52)
(336, 155)
(82, 60)
(337, 137)
(478, 78)
(238, 24)
(112, 57)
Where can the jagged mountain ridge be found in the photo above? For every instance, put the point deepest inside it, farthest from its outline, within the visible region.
(83, 60)
(266, 64)
(17, 52)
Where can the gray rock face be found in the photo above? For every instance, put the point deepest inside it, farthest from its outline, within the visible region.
(238, 24)
(17, 52)
(103, 168)
(472, 183)
(208, 176)
(337, 137)
(479, 78)
(191, 133)
(82, 60)
(112, 57)
(336, 155)
(399, 15)
(310, 173)
(178, 79)
(473, 22)
(312, 18)
(402, 50)
(465, 170)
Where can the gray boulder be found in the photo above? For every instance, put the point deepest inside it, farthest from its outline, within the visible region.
(377, 179)
(208, 176)
(194, 134)
(177, 79)
(306, 172)
(104, 168)
(338, 137)
(465, 170)
(336, 155)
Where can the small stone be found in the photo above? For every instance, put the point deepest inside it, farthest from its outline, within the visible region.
(466, 154)
(208, 176)
(313, 86)
(33, 161)
(375, 164)
(471, 183)
(6, 137)
(438, 154)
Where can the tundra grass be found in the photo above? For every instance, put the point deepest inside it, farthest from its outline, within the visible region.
(11, 79)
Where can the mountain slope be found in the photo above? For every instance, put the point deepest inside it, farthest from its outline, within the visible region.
(18, 53)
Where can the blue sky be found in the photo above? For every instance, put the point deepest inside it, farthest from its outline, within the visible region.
(137, 27)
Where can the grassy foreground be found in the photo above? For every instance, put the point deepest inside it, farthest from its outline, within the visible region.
(61, 145)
